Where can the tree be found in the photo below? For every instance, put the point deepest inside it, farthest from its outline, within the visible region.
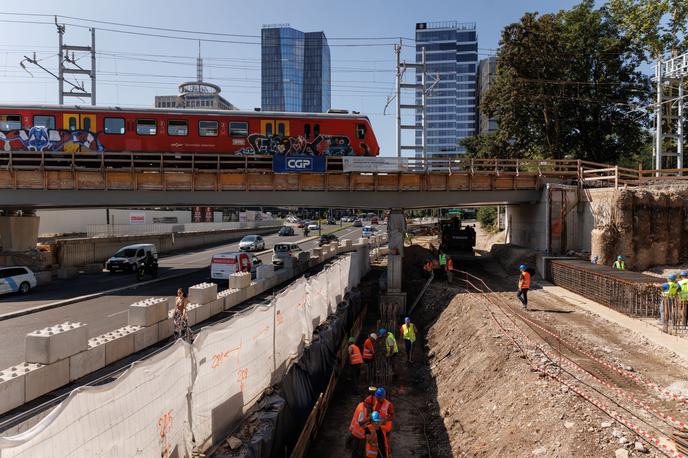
(656, 27)
(567, 86)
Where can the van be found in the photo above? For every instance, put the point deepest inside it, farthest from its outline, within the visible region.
(225, 264)
(127, 258)
(285, 250)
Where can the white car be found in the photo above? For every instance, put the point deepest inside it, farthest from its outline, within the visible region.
(16, 279)
(313, 227)
(252, 243)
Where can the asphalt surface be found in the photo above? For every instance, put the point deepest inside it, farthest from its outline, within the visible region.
(108, 312)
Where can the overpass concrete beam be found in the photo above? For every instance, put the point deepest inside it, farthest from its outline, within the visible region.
(18, 233)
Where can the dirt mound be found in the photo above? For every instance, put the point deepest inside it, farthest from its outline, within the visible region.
(491, 403)
(511, 256)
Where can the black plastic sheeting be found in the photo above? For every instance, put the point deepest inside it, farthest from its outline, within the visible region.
(283, 415)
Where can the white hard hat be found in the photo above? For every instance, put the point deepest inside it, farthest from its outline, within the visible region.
(373, 335)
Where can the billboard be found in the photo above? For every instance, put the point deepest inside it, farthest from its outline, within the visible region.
(374, 164)
(137, 218)
(290, 164)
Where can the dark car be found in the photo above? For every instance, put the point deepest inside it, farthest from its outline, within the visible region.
(286, 230)
(327, 238)
(331, 221)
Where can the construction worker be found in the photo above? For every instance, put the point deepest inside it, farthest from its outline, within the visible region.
(619, 264)
(408, 332)
(391, 349)
(443, 261)
(427, 267)
(371, 395)
(377, 445)
(450, 269)
(385, 408)
(355, 361)
(358, 425)
(670, 291)
(369, 355)
(683, 296)
(523, 285)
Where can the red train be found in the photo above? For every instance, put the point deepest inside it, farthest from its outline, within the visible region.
(67, 128)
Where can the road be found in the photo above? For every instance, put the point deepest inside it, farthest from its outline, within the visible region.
(108, 312)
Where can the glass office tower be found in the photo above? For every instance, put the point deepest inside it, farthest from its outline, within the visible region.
(295, 70)
(451, 54)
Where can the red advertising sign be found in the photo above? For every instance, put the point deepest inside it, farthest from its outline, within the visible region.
(196, 216)
(208, 215)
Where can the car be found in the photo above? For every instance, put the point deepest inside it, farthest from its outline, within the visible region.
(301, 224)
(331, 221)
(368, 231)
(313, 227)
(286, 231)
(225, 264)
(252, 243)
(374, 220)
(358, 223)
(285, 250)
(327, 238)
(17, 279)
(128, 258)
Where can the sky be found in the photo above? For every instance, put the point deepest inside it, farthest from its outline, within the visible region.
(133, 69)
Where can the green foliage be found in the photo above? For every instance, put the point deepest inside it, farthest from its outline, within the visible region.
(567, 86)
(487, 216)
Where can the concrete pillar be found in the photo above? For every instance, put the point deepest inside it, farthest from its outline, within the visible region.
(18, 233)
(396, 227)
(395, 299)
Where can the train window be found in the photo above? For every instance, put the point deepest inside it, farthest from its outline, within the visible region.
(10, 122)
(307, 131)
(207, 128)
(72, 123)
(280, 129)
(86, 124)
(44, 121)
(114, 126)
(177, 128)
(316, 130)
(360, 131)
(146, 126)
(238, 129)
(268, 129)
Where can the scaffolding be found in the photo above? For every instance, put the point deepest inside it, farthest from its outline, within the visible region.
(670, 108)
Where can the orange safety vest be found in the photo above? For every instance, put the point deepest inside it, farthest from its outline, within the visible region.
(450, 264)
(360, 415)
(427, 267)
(524, 280)
(372, 444)
(355, 355)
(368, 349)
(386, 410)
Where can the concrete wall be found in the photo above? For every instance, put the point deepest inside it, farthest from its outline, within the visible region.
(526, 226)
(82, 251)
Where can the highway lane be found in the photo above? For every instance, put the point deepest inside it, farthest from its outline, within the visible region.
(109, 312)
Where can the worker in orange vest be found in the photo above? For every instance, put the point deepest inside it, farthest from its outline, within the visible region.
(369, 355)
(385, 408)
(450, 269)
(377, 443)
(355, 361)
(358, 425)
(523, 285)
(427, 267)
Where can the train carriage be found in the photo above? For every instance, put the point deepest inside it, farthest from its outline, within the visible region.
(79, 129)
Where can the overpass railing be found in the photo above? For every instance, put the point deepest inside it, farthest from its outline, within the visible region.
(584, 173)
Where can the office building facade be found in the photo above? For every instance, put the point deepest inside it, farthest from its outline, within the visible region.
(487, 69)
(295, 70)
(451, 55)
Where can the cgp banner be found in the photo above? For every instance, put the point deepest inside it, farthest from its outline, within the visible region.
(285, 164)
(375, 164)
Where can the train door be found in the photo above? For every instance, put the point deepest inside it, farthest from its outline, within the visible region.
(272, 127)
(79, 121)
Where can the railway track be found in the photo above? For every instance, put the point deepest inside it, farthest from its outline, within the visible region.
(629, 399)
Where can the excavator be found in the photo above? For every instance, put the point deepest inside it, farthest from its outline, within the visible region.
(456, 239)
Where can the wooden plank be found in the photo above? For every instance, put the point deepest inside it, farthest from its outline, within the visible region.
(338, 182)
(149, 181)
(6, 179)
(312, 182)
(90, 180)
(436, 182)
(504, 182)
(232, 182)
(204, 182)
(286, 182)
(458, 182)
(387, 183)
(29, 179)
(481, 182)
(178, 181)
(120, 180)
(409, 182)
(362, 182)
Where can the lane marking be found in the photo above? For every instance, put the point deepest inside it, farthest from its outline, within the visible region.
(118, 313)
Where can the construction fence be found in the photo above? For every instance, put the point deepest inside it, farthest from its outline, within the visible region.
(188, 396)
(631, 293)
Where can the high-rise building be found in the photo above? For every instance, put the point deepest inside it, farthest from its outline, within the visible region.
(487, 69)
(451, 55)
(295, 70)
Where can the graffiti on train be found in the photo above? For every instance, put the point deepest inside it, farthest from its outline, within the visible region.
(322, 145)
(42, 139)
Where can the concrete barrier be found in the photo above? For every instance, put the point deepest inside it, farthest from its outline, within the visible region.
(57, 342)
(85, 362)
(118, 343)
(265, 271)
(148, 311)
(239, 280)
(43, 277)
(41, 379)
(82, 251)
(95, 268)
(67, 273)
(203, 293)
(12, 386)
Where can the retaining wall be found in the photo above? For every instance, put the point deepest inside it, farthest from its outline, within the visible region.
(82, 251)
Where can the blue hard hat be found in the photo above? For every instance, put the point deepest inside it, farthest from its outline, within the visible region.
(375, 416)
(684, 274)
(382, 331)
(380, 393)
(619, 257)
(522, 267)
(407, 319)
(671, 276)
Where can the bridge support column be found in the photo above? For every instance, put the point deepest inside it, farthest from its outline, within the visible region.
(18, 233)
(394, 301)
